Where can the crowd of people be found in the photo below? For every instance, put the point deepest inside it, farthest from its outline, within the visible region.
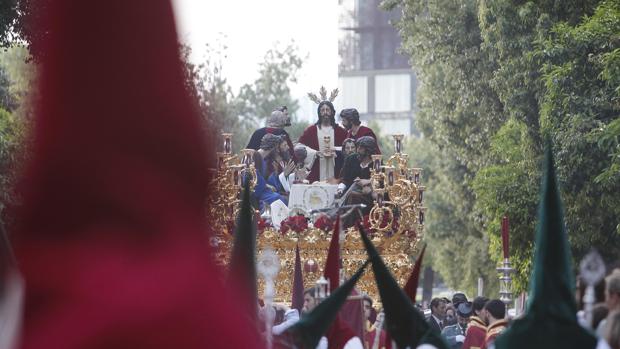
(326, 152)
(464, 324)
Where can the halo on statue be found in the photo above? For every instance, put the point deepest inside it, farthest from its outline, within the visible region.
(323, 94)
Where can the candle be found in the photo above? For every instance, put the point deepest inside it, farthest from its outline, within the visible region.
(376, 162)
(398, 143)
(390, 175)
(227, 142)
(505, 236)
(248, 157)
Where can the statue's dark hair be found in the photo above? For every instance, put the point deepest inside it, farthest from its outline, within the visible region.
(333, 116)
(351, 114)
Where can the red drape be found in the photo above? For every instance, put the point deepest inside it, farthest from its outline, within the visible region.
(111, 238)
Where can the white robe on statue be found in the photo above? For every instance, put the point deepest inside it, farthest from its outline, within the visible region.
(326, 165)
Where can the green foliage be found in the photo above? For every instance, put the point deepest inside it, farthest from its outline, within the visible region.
(458, 114)
(271, 89)
(11, 140)
(241, 114)
(8, 18)
(497, 77)
(580, 112)
(510, 187)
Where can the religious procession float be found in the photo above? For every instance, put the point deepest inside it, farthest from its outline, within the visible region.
(395, 222)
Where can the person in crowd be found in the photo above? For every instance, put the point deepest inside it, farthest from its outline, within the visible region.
(611, 338)
(495, 313)
(315, 136)
(339, 335)
(263, 192)
(457, 298)
(291, 316)
(599, 299)
(438, 314)
(450, 316)
(612, 298)
(599, 313)
(350, 118)
(276, 122)
(455, 334)
(373, 328)
(476, 328)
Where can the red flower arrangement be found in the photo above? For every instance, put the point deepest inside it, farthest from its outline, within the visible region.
(295, 223)
(261, 224)
(324, 223)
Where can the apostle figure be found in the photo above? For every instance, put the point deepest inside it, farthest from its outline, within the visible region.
(276, 123)
(351, 121)
(282, 169)
(263, 191)
(324, 136)
(355, 186)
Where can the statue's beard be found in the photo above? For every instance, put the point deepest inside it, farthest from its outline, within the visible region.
(285, 156)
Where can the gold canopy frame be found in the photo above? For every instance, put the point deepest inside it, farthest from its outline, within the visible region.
(395, 224)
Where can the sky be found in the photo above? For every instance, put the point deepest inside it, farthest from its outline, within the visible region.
(249, 28)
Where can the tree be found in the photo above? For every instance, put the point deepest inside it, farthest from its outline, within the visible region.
(579, 112)
(223, 111)
(458, 113)
(498, 78)
(22, 23)
(271, 89)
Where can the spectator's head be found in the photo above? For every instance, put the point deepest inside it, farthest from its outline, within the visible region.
(438, 308)
(368, 310)
(309, 300)
(494, 310)
(463, 312)
(599, 312)
(450, 316)
(458, 298)
(612, 292)
(478, 305)
(612, 334)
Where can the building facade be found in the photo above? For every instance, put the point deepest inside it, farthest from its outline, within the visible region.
(373, 76)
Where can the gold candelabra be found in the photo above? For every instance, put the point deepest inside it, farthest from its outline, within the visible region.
(395, 222)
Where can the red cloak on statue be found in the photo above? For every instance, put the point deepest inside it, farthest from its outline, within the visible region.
(310, 138)
(364, 131)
